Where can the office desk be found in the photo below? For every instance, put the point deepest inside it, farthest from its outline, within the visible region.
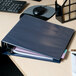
(32, 67)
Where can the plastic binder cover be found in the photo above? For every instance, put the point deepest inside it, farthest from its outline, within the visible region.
(37, 36)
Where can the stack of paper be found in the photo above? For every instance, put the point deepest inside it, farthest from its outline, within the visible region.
(73, 58)
(30, 53)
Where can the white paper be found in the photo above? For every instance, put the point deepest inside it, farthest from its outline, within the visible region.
(73, 58)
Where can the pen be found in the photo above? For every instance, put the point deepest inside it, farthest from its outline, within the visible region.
(73, 49)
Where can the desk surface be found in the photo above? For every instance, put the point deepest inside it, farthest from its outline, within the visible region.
(32, 67)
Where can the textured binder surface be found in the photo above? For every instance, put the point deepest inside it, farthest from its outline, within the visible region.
(40, 36)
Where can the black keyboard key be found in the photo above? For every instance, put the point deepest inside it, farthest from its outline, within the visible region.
(12, 6)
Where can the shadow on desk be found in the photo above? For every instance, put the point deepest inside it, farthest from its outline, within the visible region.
(7, 67)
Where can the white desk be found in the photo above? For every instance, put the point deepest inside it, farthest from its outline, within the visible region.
(32, 67)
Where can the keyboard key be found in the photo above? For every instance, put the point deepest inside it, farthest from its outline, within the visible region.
(12, 6)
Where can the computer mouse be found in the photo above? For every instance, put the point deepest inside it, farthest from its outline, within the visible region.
(39, 10)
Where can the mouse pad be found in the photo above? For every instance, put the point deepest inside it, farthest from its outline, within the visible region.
(48, 14)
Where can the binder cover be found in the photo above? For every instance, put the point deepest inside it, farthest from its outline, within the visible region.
(38, 36)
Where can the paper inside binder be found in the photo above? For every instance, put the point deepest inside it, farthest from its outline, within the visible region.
(29, 53)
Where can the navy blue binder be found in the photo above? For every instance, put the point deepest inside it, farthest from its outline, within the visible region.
(38, 36)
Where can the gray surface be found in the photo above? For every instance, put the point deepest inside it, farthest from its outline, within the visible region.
(49, 13)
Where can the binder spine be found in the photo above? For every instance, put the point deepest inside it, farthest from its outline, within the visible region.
(3, 46)
(6, 47)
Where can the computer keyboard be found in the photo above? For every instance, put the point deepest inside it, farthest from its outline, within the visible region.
(12, 6)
